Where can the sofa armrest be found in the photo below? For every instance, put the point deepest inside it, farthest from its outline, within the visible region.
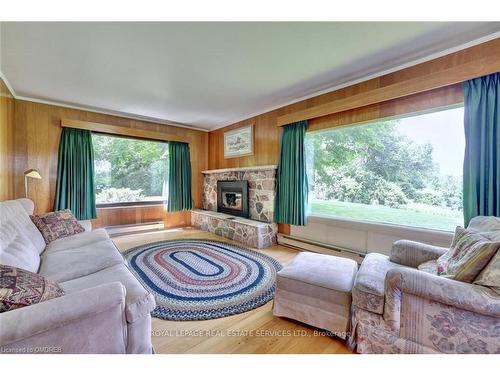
(88, 321)
(412, 253)
(441, 314)
(464, 296)
(86, 224)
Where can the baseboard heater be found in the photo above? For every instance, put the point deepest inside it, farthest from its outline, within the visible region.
(121, 230)
(304, 244)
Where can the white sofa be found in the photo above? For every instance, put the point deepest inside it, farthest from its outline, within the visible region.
(104, 309)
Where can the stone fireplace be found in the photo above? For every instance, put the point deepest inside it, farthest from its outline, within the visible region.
(223, 205)
(261, 189)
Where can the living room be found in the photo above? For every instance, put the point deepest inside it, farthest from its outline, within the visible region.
(259, 202)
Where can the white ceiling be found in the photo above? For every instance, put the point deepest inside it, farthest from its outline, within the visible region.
(207, 75)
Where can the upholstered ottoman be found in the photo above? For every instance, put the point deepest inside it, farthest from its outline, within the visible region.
(316, 289)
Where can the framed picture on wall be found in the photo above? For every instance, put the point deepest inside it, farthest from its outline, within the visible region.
(238, 142)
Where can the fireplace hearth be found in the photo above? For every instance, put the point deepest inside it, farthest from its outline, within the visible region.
(232, 197)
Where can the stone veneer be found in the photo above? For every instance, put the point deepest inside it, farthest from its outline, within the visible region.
(259, 230)
(261, 189)
(249, 232)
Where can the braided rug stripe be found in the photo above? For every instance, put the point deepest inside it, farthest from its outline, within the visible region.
(201, 279)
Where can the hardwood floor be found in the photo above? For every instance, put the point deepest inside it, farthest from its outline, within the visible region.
(256, 331)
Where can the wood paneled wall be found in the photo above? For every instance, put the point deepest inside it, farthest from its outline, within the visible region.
(140, 214)
(267, 133)
(7, 106)
(37, 133)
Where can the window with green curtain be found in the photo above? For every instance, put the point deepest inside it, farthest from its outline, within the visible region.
(179, 181)
(291, 181)
(75, 174)
(482, 147)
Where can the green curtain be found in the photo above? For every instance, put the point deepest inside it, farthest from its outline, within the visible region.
(482, 147)
(179, 179)
(291, 183)
(75, 174)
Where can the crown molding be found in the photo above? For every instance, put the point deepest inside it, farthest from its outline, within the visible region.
(127, 115)
(7, 83)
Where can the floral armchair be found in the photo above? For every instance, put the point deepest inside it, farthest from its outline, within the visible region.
(400, 309)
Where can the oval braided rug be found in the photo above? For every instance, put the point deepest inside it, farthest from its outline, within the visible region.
(200, 279)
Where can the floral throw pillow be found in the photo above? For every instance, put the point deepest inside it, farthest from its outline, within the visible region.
(442, 261)
(58, 224)
(19, 288)
(470, 252)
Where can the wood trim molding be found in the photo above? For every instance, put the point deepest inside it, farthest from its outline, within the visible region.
(120, 130)
(462, 70)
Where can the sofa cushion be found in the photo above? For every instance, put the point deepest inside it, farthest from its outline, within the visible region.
(470, 253)
(69, 264)
(78, 240)
(322, 270)
(138, 301)
(19, 288)
(58, 224)
(20, 241)
(369, 285)
(488, 226)
(490, 275)
(86, 224)
(430, 267)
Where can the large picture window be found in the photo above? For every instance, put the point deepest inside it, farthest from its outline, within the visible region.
(406, 171)
(130, 170)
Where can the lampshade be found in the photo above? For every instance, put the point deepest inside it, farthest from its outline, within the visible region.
(30, 173)
(33, 173)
